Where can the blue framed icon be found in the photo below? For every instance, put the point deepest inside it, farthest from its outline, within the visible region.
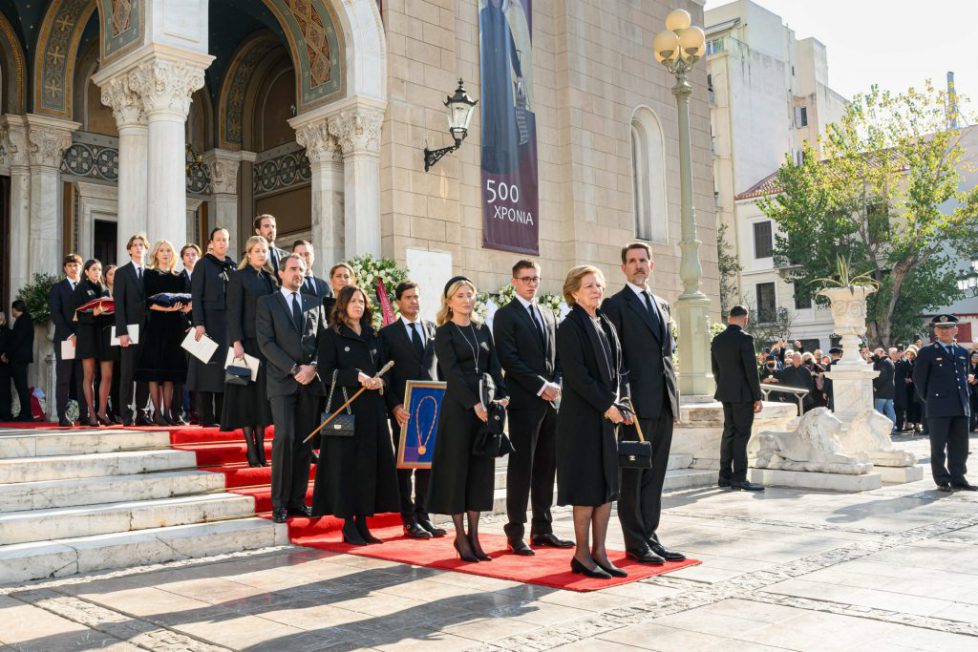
(422, 398)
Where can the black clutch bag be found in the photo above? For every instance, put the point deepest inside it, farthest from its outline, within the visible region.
(491, 440)
(237, 375)
(343, 424)
(634, 454)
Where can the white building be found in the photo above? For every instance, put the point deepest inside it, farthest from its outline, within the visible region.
(769, 94)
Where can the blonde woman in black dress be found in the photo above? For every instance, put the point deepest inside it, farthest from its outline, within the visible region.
(462, 483)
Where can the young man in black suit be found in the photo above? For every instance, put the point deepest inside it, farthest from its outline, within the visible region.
(410, 343)
(17, 353)
(739, 389)
(642, 321)
(265, 227)
(288, 324)
(311, 284)
(525, 339)
(129, 293)
(68, 372)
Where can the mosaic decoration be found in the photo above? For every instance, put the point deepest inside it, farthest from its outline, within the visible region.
(281, 172)
(57, 49)
(310, 28)
(92, 162)
(121, 24)
(243, 66)
(14, 68)
(197, 182)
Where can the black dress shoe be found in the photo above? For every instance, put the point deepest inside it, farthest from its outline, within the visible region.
(611, 569)
(414, 531)
(665, 553)
(280, 514)
(746, 486)
(944, 486)
(723, 483)
(964, 486)
(580, 569)
(550, 540)
(519, 547)
(436, 531)
(63, 422)
(304, 510)
(647, 557)
(128, 423)
(143, 421)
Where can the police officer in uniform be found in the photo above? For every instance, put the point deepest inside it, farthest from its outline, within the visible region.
(941, 379)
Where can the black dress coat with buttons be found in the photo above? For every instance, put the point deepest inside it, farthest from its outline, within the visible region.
(208, 288)
(355, 475)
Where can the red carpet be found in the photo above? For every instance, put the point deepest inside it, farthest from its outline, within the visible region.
(225, 452)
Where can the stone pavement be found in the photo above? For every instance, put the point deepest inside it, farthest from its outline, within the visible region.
(892, 569)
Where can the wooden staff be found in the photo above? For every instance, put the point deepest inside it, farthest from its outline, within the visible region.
(383, 370)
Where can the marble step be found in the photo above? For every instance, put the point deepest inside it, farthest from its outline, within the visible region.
(19, 444)
(21, 562)
(48, 494)
(89, 520)
(35, 469)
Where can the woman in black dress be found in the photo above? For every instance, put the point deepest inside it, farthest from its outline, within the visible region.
(461, 482)
(208, 286)
(340, 276)
(587, 422)
(92, 346)
(162, 362)
(356, 475)
(246, 406)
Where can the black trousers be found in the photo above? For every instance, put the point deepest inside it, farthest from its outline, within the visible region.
(640, 504)
(294, 417)
(16, 372)
(127, 383)
(738, 419)
(5, 378)
(210, 406)
(69, 375)
(950, 434)
(531, 470)
(411, 508)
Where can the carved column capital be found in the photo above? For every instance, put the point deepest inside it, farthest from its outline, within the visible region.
(119, 94)
(13, 136)
(166, 86)
(223, 166)
(358, 129)
(321, 146)
(47, 140)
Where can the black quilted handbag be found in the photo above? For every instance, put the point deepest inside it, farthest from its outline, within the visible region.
(634, 454)
(343, 424)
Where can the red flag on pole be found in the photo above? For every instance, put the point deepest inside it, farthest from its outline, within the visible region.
(387, 310)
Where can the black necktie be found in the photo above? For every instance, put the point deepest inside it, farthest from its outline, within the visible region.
(536, 323)
(296, 311)
(416, 339)
(652, 312)
(311, 285)
(139, 273)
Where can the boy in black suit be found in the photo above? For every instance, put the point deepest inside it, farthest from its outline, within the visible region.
(68, 372)
(410, 343)
(129, 293)
(265, 226)
(739, 389)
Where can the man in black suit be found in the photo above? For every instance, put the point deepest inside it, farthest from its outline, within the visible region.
(129, 293)
(288, 325)
(17, 354)
(739, 389)
(642, 321)
(68, 372)
(311, 284)
(410, 343)
(525, 339)
(265, 227)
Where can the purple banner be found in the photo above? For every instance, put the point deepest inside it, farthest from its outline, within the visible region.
(509, 138)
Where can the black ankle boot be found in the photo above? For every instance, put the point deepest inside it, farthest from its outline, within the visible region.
(361, 522)
(351, 533)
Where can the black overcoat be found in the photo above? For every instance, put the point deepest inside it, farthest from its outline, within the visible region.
(587, 447)
(355, 475)
(208, 287)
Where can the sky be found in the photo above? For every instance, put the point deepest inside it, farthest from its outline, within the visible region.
(882, 41)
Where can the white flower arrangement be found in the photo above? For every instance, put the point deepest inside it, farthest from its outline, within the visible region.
(367, 270)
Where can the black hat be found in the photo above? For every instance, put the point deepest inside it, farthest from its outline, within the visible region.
(944, 321)
(836, 350)
(738, 311)
(452, 281)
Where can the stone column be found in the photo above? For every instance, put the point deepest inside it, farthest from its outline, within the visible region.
(223, 166)
(47, 140)
(326, 166)
(13, 135)
(165, 86)
(246, 193)
(357, 129)
(127, 107)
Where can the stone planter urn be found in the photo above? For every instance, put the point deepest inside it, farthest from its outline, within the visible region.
(852, 378)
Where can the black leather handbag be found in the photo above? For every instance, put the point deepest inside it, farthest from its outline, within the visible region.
(491, 441)
(237, 374)
(343, 424)
(634, 454)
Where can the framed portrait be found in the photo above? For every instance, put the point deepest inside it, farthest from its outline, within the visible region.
(422, 398)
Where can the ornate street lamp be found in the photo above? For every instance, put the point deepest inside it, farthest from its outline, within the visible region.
(460, 109)
(678, 48)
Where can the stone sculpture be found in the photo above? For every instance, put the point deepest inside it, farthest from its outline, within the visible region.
(813, 446)
(869, 433)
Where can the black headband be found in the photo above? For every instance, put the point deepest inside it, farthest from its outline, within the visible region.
(452, 281)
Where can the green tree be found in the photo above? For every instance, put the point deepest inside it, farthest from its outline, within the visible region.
(887, 195)
(729, 266)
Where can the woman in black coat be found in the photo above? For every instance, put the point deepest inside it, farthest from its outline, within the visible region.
(247, 406)
(340, 276)
(356, 476)
(915, 405)
(208, 288)
(92, 344)
(462, 483)
(587, 422)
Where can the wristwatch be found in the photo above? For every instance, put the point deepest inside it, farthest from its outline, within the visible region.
(294, 370)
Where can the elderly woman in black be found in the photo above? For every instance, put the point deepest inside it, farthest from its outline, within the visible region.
(462, 482)
(92, 346)
(356, 475)
(587, 422)
(208, 289)
(247, 406)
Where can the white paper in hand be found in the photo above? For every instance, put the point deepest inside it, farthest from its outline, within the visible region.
(202, 350)
(67, 350)
(250, 361)
(132, 331)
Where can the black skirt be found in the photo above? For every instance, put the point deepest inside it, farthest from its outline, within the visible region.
(460, 481)
(93, 339)
(247, 406)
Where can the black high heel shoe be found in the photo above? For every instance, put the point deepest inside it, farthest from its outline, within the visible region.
(477, 550)
(361, 523)
(610, 569)
(351, 535)
(580, 569)
(461, 555)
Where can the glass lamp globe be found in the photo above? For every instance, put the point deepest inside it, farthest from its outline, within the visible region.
(460, 109)
(692, 40)
(678, 19)
(665, 45)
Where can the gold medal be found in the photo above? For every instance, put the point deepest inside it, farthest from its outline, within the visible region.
(423, 445)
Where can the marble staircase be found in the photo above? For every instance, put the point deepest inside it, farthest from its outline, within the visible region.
(82, 501)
